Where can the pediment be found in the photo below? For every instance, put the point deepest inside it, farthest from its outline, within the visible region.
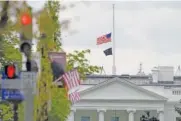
(119, 89)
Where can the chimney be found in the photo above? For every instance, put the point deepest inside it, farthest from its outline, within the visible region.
(166, 74)
(163, 74)
(155, 73)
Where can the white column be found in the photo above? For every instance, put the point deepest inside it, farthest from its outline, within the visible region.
(71, 116)
(160, 114)
(131, 114)
(101, 114)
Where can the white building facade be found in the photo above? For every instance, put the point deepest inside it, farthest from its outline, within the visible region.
(128, 97)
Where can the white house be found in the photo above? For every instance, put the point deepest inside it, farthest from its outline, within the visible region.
(128, 97)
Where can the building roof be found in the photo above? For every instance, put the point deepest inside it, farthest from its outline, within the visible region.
(125, 76)
(142, 80)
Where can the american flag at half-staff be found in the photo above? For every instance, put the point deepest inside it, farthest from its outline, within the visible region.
(104, 39)
(107, 38)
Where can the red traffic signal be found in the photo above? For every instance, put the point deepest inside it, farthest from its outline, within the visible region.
(26, 19)
(10, 71)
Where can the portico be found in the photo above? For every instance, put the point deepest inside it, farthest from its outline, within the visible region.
(117, 100)
(106, 115)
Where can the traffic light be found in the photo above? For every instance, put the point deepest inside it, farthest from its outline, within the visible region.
(10, 71)
(26, 36)
(26, 25)
(26, 33)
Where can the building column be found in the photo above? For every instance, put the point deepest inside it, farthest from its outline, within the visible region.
(160, 114)
(131, 114)
(71, 116)
(101, 114)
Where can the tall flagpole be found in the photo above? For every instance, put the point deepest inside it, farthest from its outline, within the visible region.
(114, 49)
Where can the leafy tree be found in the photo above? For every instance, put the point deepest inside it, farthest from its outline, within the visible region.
(78, 60)
(8, 36)
(50, 29)
(6, 111)
(50, 26)
(8, 51)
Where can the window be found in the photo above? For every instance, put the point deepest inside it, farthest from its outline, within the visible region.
(176, 92)
(115, 119)
(85, 118)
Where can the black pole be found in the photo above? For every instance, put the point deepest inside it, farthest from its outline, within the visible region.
(15, 110)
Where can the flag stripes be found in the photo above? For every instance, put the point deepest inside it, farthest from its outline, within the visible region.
(74, 97)
(72, 79)
(104, 39)
(72, 82)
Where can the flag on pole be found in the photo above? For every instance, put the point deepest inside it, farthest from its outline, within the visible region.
(108, 51)
(72, 79)
(104, 39)
(74, 97)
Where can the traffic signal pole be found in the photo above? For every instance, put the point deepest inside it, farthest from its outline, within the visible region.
(15, 111)
(25, 47)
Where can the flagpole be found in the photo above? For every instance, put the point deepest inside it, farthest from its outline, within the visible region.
(114, 49)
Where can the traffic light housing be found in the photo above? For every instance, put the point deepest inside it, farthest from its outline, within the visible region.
(26, 36)
(26, 25)
(26, 31)
(10, 71)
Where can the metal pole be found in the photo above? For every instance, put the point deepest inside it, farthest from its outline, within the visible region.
(29, 106)
(29, 96)
(15, 110)
(114, 49)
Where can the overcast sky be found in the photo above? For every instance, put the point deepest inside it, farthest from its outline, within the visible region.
(147, 32)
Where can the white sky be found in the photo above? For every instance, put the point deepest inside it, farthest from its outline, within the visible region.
(147, 32)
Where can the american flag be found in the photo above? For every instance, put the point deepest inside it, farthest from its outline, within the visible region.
(72, 81)
(104, 39)
(74, 97)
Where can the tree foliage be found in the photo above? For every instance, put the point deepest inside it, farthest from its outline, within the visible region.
(8, 53)
(6, 111)
(51, 28)
(49, 25)
(78, 60)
